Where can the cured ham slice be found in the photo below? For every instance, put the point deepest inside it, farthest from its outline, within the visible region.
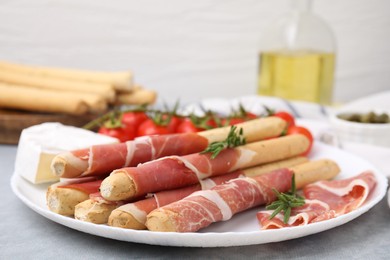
(136, 212)
(325, 200)
(178, 171)
(312, 211)
(89, 187)
(205, 207)
(102, 159)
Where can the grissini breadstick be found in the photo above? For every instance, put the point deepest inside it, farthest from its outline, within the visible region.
(137, 96)
(205, 207)
(307, 173)
(95, 209)
(94, 160)
(62, 198)
(173, 171)
(256, 171)
(104, 91)
(96, 103)
(254, 130)
(119, 80)
(133, 215)
(26, 98)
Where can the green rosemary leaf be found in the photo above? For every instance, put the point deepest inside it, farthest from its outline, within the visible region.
(287, 214)
(274, 205)
(297, 204)
(293, 186)
(280, 208)
(286, 201)
(233, 139)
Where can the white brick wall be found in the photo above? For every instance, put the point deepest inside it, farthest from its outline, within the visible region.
(190, 49)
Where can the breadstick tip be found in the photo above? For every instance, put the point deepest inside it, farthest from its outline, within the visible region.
(161, 221)
(117, 186)
(122, 219)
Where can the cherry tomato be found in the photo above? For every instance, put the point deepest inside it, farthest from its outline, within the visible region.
(149, 127)
(249, 116)
(134, 119)
(187, 126)
(174, 123)
(232, 121)
(122, 133)
(304, 131)
(286, 117)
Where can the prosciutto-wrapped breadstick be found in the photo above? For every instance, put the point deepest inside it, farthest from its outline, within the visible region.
(62, 198)
(202, 208)
(174, 171)
(97, 209)
(324, 200)
(102, 159)
(133, 215)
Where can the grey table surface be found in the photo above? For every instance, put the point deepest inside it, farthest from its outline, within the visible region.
(27, 235)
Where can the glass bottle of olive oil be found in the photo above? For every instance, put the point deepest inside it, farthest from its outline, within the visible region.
(297, 57)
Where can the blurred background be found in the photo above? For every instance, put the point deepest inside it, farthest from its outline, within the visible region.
(190, 49)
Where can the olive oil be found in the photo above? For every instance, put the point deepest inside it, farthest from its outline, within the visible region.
(303, 75)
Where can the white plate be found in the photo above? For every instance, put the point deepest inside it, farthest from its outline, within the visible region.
(242, 229)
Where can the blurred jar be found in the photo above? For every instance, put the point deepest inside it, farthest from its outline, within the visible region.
(297, 57)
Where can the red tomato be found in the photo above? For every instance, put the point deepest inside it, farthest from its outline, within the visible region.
(213, 121)
(149, 127)
(232, 121)
(304, 131)
(286, 117)
(187, 126)
(134, 119)
(249, 116)
(122, 133)
(174, 123)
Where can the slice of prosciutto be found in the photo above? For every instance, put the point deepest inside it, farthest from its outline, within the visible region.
(173, 172)
(202, 208)
(88, 187)
(140, 209)
(325, 200)
(102, 159)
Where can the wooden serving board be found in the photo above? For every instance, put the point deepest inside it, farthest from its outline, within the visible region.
(12, 122)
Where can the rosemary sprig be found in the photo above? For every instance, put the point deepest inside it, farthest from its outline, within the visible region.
(286, 201)
(233, 139)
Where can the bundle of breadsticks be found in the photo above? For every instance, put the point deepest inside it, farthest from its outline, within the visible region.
(68, 91)
(129, 193)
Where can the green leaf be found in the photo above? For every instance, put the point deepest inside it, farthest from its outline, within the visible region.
(280, 208)
(233, 140)
(287, 214)
(286, 201)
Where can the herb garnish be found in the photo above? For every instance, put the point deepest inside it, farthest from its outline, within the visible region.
(286, 201)
(233, 139)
